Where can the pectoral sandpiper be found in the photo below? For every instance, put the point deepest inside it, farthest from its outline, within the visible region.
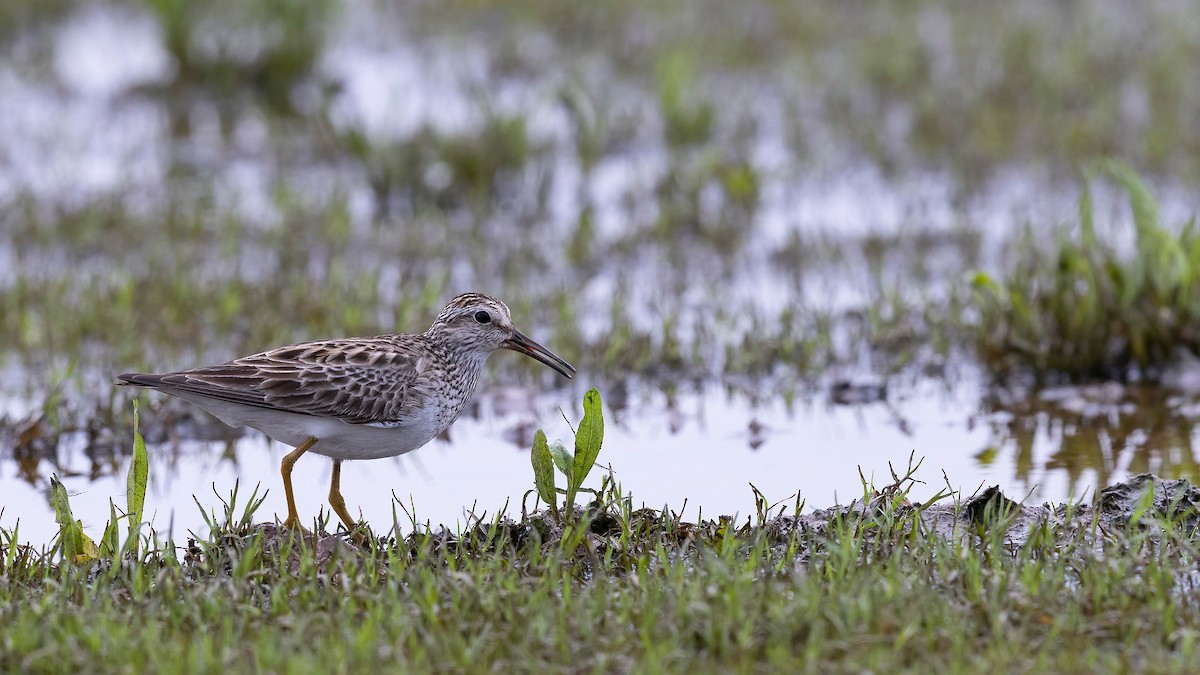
(356, 398)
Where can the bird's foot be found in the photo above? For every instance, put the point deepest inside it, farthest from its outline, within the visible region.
(360, 534)
(293, 523)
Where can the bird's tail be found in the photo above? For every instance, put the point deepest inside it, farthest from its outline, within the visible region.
(138, 380)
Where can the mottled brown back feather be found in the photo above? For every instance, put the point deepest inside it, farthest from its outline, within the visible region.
(330, 378)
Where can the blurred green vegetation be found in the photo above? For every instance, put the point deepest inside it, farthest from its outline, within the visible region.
(967, 87)
(1086, 309)
(267, 48)
(634, 180)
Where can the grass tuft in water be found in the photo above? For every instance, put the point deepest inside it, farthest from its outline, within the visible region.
(74, 544)
(1087, 310)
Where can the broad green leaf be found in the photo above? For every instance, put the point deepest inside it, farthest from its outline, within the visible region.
(70, 531)
(563, 459)
(543, 469)
(88, 551)
(588, 437)
(136, 481)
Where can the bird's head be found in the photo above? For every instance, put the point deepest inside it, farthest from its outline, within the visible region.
(482, 324)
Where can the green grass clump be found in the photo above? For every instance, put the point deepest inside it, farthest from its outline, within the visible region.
(1089, 311)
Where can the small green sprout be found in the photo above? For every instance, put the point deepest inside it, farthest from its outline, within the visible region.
(548, 456)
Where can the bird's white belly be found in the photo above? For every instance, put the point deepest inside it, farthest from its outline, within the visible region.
(335, 438)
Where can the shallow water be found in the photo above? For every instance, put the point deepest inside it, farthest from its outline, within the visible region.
(705, 448)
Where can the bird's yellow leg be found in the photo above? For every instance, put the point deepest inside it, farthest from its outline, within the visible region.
(289, 460)
(335, 497)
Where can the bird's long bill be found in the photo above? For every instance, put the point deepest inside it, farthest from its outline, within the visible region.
(520, 342)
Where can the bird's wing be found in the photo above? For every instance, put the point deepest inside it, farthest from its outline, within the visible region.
(359, 381)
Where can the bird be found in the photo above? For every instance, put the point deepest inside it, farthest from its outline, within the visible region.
(356, 398)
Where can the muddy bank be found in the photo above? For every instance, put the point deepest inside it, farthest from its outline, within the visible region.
(1144, 501)
(613, 538)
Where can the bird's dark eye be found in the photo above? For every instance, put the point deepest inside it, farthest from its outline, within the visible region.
(483, 317)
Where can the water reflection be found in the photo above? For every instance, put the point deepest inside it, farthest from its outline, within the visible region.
(1094, 435)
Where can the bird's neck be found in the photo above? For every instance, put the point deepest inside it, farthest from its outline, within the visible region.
(461, 369)
(457, 356)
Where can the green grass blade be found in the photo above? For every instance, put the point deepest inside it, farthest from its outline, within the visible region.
(1087, 220)
(108, 542)
(1145, 207)
(588, 437)
(70, 532)
(136, 481)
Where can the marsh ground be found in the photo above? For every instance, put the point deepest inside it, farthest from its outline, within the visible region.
(758, 228)
(726, 218)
